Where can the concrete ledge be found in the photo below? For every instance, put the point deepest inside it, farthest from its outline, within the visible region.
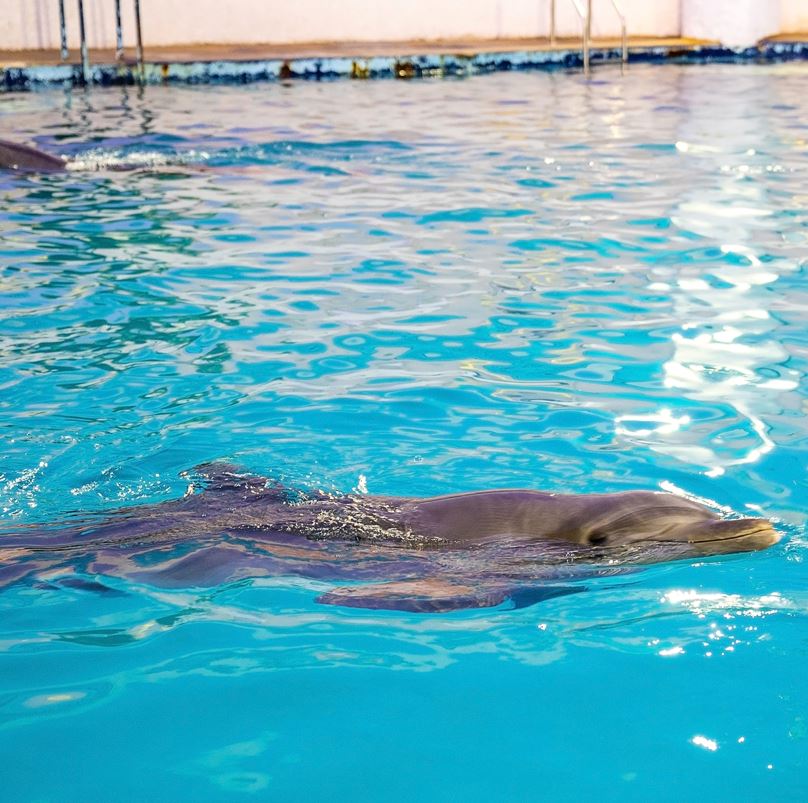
(328, 50)
(21, 70)
(788, 38)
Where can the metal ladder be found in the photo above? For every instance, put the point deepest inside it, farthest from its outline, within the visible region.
(119, 54)
(585, 15)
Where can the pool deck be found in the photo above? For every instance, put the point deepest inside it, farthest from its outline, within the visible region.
(185, 54)
(24, 69)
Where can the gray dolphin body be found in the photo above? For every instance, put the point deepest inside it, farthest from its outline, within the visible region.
(428, 555)
(14, 156)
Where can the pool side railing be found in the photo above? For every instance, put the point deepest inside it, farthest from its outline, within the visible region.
(623, 31)
(86, 75)
(585, 16)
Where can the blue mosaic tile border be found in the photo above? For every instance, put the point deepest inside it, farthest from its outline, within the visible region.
(417, 66)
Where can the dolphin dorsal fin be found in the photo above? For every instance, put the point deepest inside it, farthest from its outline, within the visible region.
(221, 475)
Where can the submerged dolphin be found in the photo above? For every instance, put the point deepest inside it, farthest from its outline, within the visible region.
(438, 554)
(14, 156)
(23, 158)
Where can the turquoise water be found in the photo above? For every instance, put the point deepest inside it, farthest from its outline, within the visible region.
(520, 280)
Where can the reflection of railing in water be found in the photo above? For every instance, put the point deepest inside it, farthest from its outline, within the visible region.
(585, 15)
(119, 51)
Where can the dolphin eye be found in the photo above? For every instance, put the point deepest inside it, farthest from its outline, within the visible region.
(598, 538)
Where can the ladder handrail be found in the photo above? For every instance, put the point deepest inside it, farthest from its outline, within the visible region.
(623, 36)
(85, 57)
(552, 22)
(139, 35)
(119, 52)
(586, 21)
(586, 29)
(63, 31)
(118, 32)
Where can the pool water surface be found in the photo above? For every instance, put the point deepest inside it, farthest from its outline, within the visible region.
(517, 280)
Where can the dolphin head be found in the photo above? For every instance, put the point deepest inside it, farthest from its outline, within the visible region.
(668, 526)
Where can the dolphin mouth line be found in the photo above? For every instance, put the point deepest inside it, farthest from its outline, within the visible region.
(764, 528)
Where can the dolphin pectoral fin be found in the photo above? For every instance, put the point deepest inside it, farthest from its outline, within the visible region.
(439, 596)
(419, 596)
(80, 584)
(526, 596)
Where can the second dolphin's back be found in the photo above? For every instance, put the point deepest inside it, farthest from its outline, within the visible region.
(14, 156)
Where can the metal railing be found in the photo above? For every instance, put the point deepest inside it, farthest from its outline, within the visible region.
(63, 30)
(118, 32)
(585, 16)
(623, 36)
(85, 56)
(119, 50)
(139, 34)
(552, 23)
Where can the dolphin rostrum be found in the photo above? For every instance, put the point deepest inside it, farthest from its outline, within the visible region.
(466, 550)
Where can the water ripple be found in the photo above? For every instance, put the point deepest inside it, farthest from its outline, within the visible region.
(517, 280)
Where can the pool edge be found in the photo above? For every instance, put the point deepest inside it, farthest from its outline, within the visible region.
(415, 61)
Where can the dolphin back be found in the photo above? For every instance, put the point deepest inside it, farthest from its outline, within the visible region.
(14, 156)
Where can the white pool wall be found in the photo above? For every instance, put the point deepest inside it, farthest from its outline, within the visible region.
(33, 24)
(735, 23)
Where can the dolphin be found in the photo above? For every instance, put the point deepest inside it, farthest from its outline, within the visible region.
(25, 159)
(466, 550)
(14, 156)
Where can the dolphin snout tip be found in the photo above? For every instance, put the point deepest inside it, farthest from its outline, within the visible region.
(765, 533)
(757, 534)
(737, 535)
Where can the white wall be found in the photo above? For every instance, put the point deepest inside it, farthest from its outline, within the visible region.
(643, 17)
(794, 16)
(34, 23)
(733, 22)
